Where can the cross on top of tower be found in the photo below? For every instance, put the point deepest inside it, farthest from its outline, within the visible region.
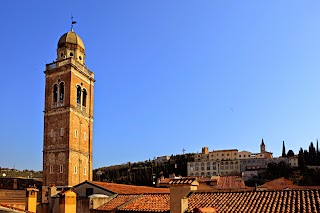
(72, 23)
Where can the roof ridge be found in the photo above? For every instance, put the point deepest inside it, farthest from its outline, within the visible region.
(130, 201)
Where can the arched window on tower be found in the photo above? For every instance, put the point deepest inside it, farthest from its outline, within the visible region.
(55, 93)
(61, 95)
(84, 97)
(78, 94)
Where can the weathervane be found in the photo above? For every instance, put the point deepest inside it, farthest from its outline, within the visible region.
(72, 23)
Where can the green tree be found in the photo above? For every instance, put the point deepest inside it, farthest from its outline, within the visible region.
(290, 153)
(283, 150)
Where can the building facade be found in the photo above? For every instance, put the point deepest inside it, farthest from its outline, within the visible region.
(217, 162)
(68, 115)
(227, 162)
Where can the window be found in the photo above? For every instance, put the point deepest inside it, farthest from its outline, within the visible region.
(85, 136)
(51, 169)
(202, 166)
(62, 132)
(61, 92)
(191, 174)
(227, 154)
(208, 174)
(197, 174)
(78, 94)
(202, 173)
(75, 169)
(221, 167)
(84, 97)
(208, 165)
(85, 171)
(214, 173)
(89, 191)
(231, 166)
(227, 166)
(55, 93)
(214, 167)
(61, 168)
(197, 167)
(191, 167)
(244, 156)
(71, 54)
(80, 58)
(239, 156)
(222, 154)
(76, 133)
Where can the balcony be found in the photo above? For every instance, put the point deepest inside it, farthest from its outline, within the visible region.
(57, 104)
(72, 61)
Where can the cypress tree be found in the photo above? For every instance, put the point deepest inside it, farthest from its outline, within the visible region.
(301, 159)
(317, 155)
(283, 150)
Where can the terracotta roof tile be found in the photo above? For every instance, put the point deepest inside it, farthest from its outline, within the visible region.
(165, 180)
(116, 202)
(129, 189)
(225, 202)
(230, 182)
(183, 181)
(149, 203)
(280, 183)
(283, 183)
(262, 201)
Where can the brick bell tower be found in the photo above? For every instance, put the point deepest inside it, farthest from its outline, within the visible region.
(68, 116)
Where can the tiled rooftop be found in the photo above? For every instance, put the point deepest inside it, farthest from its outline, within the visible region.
(225, 202)
(149, 203)
(116, 202)
(183, 181)
(129, 189)
(282, 183)
(230, 182)
(264, 201)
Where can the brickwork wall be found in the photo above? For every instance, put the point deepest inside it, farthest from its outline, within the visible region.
(73, 148)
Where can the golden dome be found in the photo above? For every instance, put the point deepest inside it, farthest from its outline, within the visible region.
(71, 38)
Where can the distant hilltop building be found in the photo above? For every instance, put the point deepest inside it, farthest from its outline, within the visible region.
(68, 115)
(227, 162)
(162, 159)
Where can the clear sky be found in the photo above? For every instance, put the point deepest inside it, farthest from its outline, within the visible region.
(170, 75)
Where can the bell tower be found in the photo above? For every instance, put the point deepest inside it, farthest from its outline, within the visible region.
(262, 147)
(68, 115)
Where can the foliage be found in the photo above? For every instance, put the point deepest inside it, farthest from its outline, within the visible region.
(144, 173)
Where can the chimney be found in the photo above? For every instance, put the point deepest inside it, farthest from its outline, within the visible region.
(52, 191)
(31, 199)
(68, 202)
(179, 189)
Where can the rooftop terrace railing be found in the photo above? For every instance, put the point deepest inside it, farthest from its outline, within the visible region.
(57, 64)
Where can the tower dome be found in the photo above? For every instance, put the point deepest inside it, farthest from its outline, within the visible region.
(70, 38)
(70, 45)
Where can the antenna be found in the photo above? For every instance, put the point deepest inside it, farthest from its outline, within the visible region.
(72, 22)
(183, 150)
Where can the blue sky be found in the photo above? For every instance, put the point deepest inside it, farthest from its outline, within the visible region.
(170, 75)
